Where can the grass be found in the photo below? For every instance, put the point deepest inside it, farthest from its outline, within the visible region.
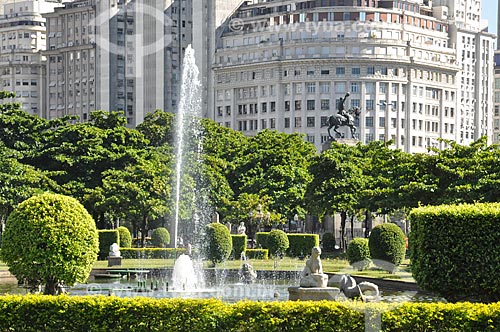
(330, 265)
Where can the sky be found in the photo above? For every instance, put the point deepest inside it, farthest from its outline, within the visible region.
(489, 12)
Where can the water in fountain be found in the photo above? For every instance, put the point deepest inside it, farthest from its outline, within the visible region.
(184, 276)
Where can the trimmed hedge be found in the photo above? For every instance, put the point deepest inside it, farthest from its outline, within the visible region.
(358, 253)
(160, 237)
(257, 253)
(455, 250)
(302, 244)
(387, 246)
(277, 242)
(218, 243)
(32, 313)
(125, 237)
(239, 245)
(152, 253)
(106, 238)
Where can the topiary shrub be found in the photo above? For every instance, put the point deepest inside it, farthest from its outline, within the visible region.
(152, 253)
(125, 237)
(239, 245)
(387, 246)
(160, 237)
(106, 238)
(261, 238)
(358, 253)
(218, 243)
(257, 254)
(277, 242)
(328, 242)
(455, 250)
(302, 244)
(50, 239)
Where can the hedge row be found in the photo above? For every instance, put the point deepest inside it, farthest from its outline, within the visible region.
(99, 313)
(106, 238)
(300, 244)
(455, 250)
(257, 253)
(151, 253)
(239, 245)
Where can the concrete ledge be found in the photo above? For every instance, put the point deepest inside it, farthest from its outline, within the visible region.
(313, 293)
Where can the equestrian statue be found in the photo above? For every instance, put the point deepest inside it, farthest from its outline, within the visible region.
(343, 118)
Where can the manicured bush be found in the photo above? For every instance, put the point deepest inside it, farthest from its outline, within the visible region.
(136, 242)
(302, 244)
(125, 237)
(160, 237)
(152, 253)
(387, 246)
(106, 238)
(277, 242)
(261, 238)
(50, 239)
(358, 253)
(455, 250)
(218, 243)
(105, 313)
(328, 242)
(239, 245)
(257, 253)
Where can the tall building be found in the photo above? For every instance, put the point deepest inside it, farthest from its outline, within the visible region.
(71, 61)
(22, 65)
(285, 64)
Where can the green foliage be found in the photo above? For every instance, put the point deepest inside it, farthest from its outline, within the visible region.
(387, 245)
(358, 253)
(125, 237)
(261, 238)
(277, 242)
(106, 238)
(328, 242)
(218, 243)
(302, 244)
(152, 253)
(455, 252)
(257, 254)
(141, 314)
(160, 237)
(239, 244)
(50, 239)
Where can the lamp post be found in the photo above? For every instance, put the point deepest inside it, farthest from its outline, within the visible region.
(296, 219)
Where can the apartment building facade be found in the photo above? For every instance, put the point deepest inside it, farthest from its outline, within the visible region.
(22, 65)
(285, 64)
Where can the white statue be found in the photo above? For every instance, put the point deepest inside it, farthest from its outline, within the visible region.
(241, 228)
(114, 250)
(312, 275)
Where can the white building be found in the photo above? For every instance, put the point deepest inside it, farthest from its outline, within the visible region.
(284, 65)
(22, 66)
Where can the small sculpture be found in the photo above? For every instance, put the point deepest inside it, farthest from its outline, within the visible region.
(114, 250)
(247, 273)
(241, 228)
(312, 275)
(348, 286)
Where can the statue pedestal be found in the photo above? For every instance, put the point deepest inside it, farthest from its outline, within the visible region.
(114, 261)
(313, 293)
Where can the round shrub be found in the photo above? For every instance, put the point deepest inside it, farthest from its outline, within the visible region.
(50, 239)
(387, 246)
(328, 241)
(125, 237)
(277, 242)
(218, 243)
(358, 253)
(160, 237)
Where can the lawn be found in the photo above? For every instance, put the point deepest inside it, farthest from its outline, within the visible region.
(334, 265)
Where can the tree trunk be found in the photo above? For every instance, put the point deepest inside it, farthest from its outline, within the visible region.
(143, 231)
(352, 227)
(368, 223)
(343, 217)
(50, 287)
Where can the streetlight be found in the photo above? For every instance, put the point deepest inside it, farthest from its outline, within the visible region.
(296, 219)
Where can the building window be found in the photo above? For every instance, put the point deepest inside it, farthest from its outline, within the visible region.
(325, 104)
(324, 87)
(298, 105)
(273, 106)
(311, 87)
(263, 107)
(298, 122)
(340, 71)
(311, 105)
(356, 71)
(370, 70)
(287, 122)
(355, 87)
(287, 106)
(369, 104)
(381, 122)
(311, 120)
(369, 121)
(272, 123)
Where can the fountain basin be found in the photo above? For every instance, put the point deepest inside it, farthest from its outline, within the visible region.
(313, 293)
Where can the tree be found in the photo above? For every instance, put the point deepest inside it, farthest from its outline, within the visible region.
(337, 183)
(158, 128)
(218, 243)
(50, 239)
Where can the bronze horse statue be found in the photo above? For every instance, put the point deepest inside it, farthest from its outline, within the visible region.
(337, 120)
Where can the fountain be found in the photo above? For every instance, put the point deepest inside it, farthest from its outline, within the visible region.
(184, 276)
